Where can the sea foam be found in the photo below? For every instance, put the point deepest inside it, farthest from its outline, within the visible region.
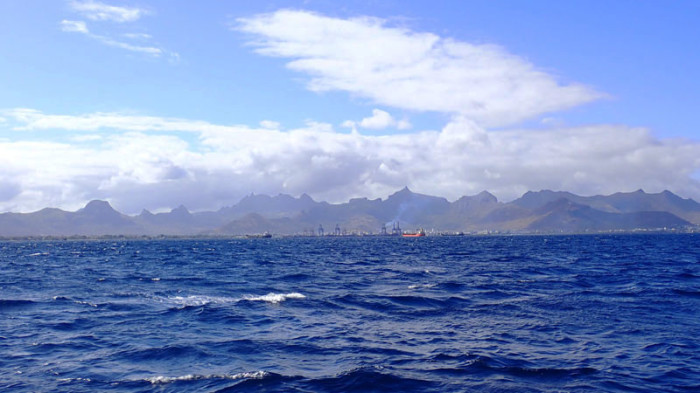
(203, 300)
(194, 377)
(200, 300)
(275, 297)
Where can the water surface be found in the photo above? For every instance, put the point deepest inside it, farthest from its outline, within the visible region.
(434, 314)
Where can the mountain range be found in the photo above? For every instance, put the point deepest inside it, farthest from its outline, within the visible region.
(535, 212)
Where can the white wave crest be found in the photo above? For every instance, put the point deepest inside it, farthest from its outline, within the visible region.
(74, 380)
(200, 300)
(203, 300)
(418, 286)
(275, 297)
(55, 298)
(194, 377)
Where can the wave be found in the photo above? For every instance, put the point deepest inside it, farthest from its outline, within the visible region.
(369, 379)
(159, 380)
(15, 303)
(199, 300)
(687, 275)
(169, 353)
(203, 300)
(38, 254)
(516, 368)
(685, 292)
(78, 379)
(422, 286)
(275, 298)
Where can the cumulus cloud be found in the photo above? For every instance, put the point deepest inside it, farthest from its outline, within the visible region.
(270, 124)
(136, 165)
(97, 11)
(378, 121)
(404, 69)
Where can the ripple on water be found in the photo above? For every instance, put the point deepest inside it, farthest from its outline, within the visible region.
(569, 313)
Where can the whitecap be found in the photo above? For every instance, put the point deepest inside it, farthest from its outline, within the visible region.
(194, 377)
(418, 286)
(85, 303)
(275, 297)
(200, 300)
(74, 379)
(203, 300)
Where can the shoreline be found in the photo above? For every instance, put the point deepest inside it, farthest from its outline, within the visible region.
(687, 231)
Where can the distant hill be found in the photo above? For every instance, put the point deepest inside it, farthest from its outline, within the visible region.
(535, 212)
(96, 218)
(564, 215)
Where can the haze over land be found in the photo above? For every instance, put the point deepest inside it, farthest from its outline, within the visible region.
(154, 104)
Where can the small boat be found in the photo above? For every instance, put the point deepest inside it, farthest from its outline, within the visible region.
(419, 233)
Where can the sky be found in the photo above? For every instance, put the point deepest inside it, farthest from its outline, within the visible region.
(152, 104)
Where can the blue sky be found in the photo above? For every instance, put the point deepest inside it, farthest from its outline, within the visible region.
(152, 104)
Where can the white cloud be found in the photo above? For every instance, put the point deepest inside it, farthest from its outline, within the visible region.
(269, 124)
(136, 164)
(138, 36)
(86, 138)
(150, 50)
(417, 71)
(81, 27)
(31, 120)
(103, 12)
(97, 11)
(378, 121)
(349, 124)
(74, 26)
(403, 125)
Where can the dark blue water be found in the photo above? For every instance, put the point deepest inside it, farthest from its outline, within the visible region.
(501, 314)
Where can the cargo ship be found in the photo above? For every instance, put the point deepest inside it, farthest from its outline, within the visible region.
(419, 233)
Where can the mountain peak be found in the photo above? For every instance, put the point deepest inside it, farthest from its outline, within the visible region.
(486, 196)
(180, 210)
(404, 192)
(97, 206)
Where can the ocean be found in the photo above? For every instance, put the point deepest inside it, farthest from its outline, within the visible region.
(614, 313)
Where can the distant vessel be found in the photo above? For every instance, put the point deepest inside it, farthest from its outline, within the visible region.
(420, 233)
(265, 235)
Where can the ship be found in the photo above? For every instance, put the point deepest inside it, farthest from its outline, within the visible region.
(265, 235)
(419, 233)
